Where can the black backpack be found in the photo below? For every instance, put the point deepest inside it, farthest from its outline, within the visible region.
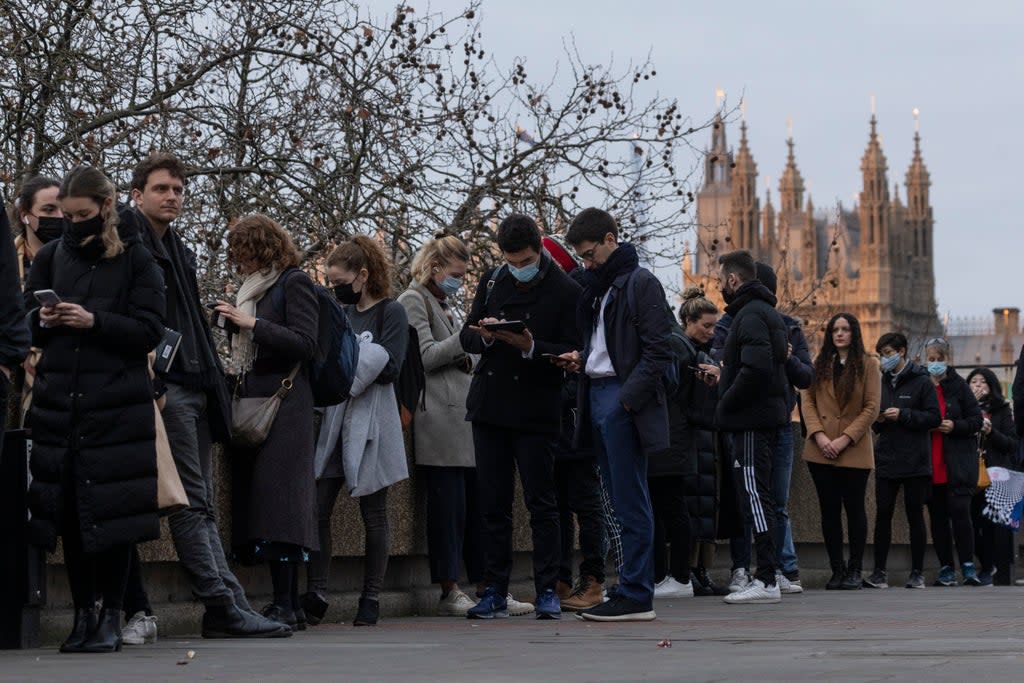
(411, 385)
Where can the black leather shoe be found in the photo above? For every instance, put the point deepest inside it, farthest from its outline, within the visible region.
(836, 582)
(83, 626)
(107, 635)
(368, 614)
(853, 581)
(232, 622)
(300, 619)
(315, 607)
(280, 614)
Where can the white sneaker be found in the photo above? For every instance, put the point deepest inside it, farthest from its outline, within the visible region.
(787, 586)
(670, 588)
(518, 609)
(455, 605)
(139, 630)
(740, 580)
(755, 594)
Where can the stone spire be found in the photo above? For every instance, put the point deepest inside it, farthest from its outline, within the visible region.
(717, 159)
(791, 185)
(919, 225)
(809, 244)
(745, 207)
(874, 204)
(768, 234)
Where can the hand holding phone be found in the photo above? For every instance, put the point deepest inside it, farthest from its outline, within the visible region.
(47, 298)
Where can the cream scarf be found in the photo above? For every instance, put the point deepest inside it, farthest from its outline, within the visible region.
(243, 348)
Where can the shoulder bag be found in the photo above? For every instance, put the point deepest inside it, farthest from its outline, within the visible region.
(252, 418)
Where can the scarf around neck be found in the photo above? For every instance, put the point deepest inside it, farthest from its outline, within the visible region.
(249, 295)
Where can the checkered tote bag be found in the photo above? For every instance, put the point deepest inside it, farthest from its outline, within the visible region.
(1005, 497)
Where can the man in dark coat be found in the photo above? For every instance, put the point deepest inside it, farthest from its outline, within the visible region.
(753, 405)
(515, 405)
(625, 325)
(198, 409)
(14, 336)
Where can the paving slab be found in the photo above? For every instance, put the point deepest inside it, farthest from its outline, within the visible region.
(956, 634)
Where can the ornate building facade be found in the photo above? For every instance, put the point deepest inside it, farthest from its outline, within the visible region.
(873, 260)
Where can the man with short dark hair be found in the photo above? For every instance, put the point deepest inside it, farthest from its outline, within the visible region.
(753, 395)
(198, 408)
(523, 313)
(625, 324)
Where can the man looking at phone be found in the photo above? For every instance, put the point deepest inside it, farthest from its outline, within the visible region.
(198, 408)
(514, 404)
(625, 325)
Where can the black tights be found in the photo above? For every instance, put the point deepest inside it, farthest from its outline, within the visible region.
(838, 488)
(102, 574)
(284, 576)
(671, 525)
(951, 519)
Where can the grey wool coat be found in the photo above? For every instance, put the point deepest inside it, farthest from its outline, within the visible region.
(441, 435)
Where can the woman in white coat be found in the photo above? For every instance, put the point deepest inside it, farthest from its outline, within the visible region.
(443, 440)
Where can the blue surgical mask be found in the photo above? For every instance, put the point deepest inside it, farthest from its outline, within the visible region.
(526, 273)
(449, 285)
(937, 368)
(889, 363)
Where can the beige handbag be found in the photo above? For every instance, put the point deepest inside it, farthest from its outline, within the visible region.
(252, 418)
(170, 493)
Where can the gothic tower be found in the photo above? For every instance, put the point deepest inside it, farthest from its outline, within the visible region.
(919, 227)
(874, 281)
(745, 210)
(714, 201)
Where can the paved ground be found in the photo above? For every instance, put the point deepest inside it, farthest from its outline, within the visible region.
(956, 634)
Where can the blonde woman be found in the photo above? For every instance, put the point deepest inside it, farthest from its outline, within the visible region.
(94, 478)
(443, 440)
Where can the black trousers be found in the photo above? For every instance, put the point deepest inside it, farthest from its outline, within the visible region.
(950, 514)
(753, 452)
(90, 575)
(578, 489)
(671, 527)
(136, 599)
(839, 488)
(499, 453)
(993, 543)
(453, 524)
(916, 491)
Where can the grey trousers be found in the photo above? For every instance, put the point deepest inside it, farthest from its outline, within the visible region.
(194, 529)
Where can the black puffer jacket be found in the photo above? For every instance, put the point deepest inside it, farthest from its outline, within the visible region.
(92, 415)
(960, 446)
(701, 486)
(904, 447)
(753, 392)
(1000, 444)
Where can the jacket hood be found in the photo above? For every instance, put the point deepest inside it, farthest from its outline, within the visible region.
(995, 387)
(750, 291)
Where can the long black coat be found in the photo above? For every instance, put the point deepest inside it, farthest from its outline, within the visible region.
(507, 389)
(960, 446)
(999, 445)
(92, 415)
(904, 447)
(14, 337)
(275, 485)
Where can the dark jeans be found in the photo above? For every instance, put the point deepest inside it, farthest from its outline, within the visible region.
(838, 488)
(624, 471)
(135, 597)
(754, 452)
(950, 515)
(915, 495)
(194, 529)
(782, 472)
(374, 511)
(453, 524)
(499, 452)
(671, 526)
(579, 492)
(993, 543)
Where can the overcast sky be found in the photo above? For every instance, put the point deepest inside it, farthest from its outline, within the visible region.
(818, 62)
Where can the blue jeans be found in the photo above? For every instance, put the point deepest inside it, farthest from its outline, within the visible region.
(624, 470)
(782, 469)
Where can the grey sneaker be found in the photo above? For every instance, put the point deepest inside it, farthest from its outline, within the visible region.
(740, 580)
(877, 579)
(455, 605)
(140, 630)
(916, 579)
(518, 609)
(788, 586)
(756, 593)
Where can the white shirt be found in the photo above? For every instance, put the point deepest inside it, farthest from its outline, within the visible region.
(599, 363)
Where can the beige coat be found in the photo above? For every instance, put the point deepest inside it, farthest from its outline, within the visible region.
(441, 435)
(822, 413)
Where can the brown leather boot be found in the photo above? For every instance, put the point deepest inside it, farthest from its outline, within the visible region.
(564, 590)
(587, 593)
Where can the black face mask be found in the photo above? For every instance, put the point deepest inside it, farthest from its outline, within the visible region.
(728, 296)
(90, 227)
(346, 295)
(49, 229)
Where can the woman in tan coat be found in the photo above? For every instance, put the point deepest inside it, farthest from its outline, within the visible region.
(838, 410)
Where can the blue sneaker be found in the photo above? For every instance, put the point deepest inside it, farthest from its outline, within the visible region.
(970, 574)
(548, 605)
(986, 577)
(492, 605)
(947, 577)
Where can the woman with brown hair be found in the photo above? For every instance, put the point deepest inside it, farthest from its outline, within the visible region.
(37, 211)
(94, 474)
(274, 488)
(839, 409)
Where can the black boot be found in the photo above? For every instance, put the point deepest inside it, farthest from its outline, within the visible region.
(703, 584)
(283, 614)
(229, 621)
(315, 607)
(369, 612)
(838, 576)
(853, 581)
(107, 636)
(84, 624)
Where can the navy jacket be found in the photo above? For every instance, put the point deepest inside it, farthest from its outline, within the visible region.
(638, 345)
(904, 448)
(753, 391)
(14, 335)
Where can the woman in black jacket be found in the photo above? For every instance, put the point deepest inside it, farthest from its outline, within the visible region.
(997, 443)
(954, 466)
(275, 489)
(92, 420)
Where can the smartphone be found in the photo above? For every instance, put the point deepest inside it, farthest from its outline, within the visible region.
(552, 356)
(46, 298)
(698, 371)
(507, 325)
